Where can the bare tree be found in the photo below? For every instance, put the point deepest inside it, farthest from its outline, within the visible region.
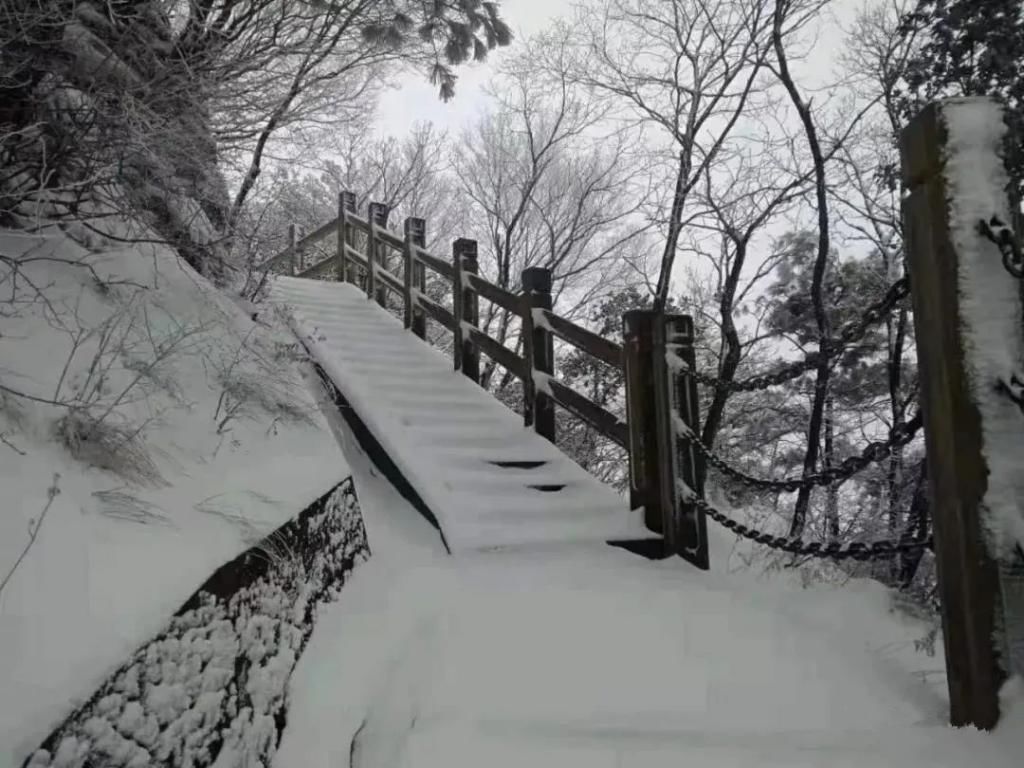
(545, 186)
(687, 68)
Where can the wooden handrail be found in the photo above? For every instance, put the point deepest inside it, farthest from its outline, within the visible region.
(315, 236)
(601, 419)
(443, 268)
(435, 310)
(605, 350)
(355, 256)
(390, 280)
(536, 319)
(498, 352)
(319, 267)
(495, 294)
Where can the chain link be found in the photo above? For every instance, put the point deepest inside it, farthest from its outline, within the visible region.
(833, 550)
(849, 333)
(877, 451)
(996, 230)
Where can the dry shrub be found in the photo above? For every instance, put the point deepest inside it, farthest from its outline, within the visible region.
(104, 444)
(121, 505)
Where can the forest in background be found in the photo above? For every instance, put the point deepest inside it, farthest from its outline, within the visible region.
(648, 152)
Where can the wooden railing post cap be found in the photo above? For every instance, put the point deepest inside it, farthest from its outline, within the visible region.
(637, 320)
(379, 213)
(537, 279)
(347, 200)
(415, 225)
(464, 254)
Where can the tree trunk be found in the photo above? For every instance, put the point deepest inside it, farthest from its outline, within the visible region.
(828, 461)
(674, 228)
(918, 518)
(730, 358)
(817, 284)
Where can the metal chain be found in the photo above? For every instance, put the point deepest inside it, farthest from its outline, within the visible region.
(849, 333)
(1000, 233)
(1012, 389)
(834, 550)
(877, 451)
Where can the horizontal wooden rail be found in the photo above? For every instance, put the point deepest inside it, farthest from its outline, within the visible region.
(390, 239)
(604, 421)
(315, 236)
(498, 352)
(320, 267)
(356, 257)
(383, 235)
(358, 222)
(390, 280)
(443, 268)
(603, 349)
(435, 310)
(493, 293)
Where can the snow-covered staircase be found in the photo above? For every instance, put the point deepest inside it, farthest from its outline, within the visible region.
(489, 481)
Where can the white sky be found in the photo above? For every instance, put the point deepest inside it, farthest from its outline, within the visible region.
(416, 100)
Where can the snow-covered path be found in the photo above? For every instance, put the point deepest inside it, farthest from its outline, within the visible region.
(461, 449)
(585, 655)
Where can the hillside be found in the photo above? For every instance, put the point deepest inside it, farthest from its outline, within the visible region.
(159, 431)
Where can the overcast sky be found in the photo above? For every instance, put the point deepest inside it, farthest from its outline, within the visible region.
(416, 99)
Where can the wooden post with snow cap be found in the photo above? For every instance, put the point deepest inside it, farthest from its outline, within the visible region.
(415, 275)
(538, 407)
(377, 217)
(644, 464)
(679, 465)
(967, 317)
(346, 205)
(466, 308)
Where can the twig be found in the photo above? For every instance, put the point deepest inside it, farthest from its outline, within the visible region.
(34, 398)
(12, 446)
(33, 529)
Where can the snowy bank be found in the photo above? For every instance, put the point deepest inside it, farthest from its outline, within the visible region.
(181, 430)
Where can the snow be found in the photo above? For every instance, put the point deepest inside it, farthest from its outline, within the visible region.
(540, 319)
(542, 381)
(675, 363)
(210, 689)
(990, 306)
(586, 655)
(446, 434)
(115, 558)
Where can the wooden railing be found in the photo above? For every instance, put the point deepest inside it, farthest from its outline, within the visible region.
(654, 463)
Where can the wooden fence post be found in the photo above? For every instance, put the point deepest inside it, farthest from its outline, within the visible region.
(346, 203)
(293, 254)
(934, 155)
(538, 407)
(415, 275)
(466, 308)
(377, 216)
(676, 397)
(638, 358)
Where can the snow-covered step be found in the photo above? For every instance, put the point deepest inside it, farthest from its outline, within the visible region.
(490, 482)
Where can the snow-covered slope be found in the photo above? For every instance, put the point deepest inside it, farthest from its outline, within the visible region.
(185, 431)
(585, 655)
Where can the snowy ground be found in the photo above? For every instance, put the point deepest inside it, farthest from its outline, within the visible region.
(119, 551)
(587, 655)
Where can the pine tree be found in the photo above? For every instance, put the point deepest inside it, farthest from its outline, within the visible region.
(968, 48)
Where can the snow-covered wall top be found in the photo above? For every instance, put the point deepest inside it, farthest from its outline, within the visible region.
(990, 307)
